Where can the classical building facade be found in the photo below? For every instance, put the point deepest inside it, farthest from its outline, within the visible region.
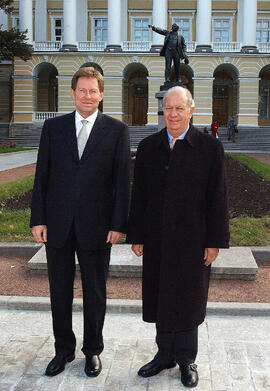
(228, 45)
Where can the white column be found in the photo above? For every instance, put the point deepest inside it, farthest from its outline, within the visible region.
(3, 20)
(248, 16)
(82, 20)
(160, 17)
(203, 25)
(69, 41)
(124, 24)
(114, 26)
(41, 21)
(26, 19)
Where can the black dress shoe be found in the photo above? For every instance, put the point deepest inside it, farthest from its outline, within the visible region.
(154, 367)
(57, 364)
(93, 366)
(189, 375)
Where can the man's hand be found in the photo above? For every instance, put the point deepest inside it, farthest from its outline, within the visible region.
(113, 237)
(210, 255)
(137, 249)
(39, 233)
(150, 26)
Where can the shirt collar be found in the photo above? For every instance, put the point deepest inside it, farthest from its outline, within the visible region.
(181, 137)
(91, 119)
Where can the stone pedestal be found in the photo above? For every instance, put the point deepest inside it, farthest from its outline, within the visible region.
(160, 95)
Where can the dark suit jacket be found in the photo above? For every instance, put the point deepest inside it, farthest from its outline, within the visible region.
(91, 192)
(181, 42)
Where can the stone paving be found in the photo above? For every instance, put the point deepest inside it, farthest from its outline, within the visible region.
(17, 159)
(234, 355)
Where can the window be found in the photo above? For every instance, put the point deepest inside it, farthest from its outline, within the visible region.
(58, 29)
(184, 28)
(221, 30)
(140, 29)
(263, 30)
(101, 29)
(16, 22)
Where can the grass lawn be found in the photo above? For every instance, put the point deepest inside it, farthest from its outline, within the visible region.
(261, 169)
(16, 149)
(245, 231)
(14, 225)
(21, 186)
(250, 231)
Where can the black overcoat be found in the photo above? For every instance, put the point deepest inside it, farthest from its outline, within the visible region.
(178, 208)
(92, 191)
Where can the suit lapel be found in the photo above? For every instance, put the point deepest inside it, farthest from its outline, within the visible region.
(95, 137)
(69, 129)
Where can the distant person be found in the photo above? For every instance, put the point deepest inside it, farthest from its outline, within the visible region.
(205, 130)
(231, 126)
(178, 221)
(80, 204)
(214, 129)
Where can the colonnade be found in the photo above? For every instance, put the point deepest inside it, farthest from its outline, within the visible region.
(246, 24)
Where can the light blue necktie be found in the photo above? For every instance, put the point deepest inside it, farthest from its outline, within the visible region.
(82, 138)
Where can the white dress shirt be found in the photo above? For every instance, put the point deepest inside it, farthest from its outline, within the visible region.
(91, 120)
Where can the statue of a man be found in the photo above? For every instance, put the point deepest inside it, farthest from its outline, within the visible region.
(174, 48)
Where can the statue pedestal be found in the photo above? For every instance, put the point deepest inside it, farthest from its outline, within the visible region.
(160, 95)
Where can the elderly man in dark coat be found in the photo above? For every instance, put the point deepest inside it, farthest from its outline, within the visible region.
(178, 221)
(174, 48)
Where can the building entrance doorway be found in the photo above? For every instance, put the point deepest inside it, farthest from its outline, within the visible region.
(225, 93)
(135, 94)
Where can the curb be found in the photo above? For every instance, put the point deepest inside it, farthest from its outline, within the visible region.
(30, 303)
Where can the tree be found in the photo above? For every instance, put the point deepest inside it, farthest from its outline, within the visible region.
(13, 42)
(6, 5)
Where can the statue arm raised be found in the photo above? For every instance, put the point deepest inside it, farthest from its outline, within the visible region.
(158, 30)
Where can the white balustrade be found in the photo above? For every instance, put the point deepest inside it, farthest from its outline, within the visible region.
(92, 46)
(42, 115)
(136, 46)
(264, 47)
(48, 46)
(226, 46)
(191, 46)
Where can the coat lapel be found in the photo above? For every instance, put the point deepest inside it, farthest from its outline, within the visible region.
(69, 129)
(97, 133)
(163, 139)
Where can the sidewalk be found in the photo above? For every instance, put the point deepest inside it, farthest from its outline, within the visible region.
(262, 157)
(234, 355)
(17, 159)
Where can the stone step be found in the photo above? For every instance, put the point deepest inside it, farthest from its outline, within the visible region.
(236, 263)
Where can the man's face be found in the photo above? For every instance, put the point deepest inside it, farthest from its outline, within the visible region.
(177, 114)
(174, 27)
(86, 96)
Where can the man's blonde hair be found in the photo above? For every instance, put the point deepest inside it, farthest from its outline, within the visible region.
(90, 72)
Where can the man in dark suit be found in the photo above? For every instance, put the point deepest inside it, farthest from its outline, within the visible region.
(178, 222)
(79, 204)
(174, 48)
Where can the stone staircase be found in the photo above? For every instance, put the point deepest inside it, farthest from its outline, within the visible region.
(253, 140)
(137, 133)
(25, 135)
(247, 140)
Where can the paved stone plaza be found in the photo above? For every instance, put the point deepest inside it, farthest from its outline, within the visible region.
(18, 159)
(234, 354)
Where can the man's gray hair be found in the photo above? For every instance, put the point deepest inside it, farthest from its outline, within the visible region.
(190, 100)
